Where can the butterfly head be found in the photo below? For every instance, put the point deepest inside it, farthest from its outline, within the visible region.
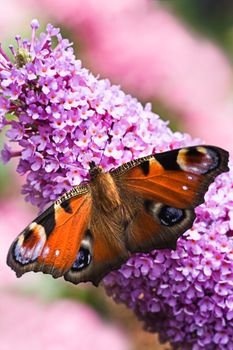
(94, 170)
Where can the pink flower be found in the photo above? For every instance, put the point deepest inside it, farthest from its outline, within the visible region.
(165, 289)
(28, 324)
(142, 46)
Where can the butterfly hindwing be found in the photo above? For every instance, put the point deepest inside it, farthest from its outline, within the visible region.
(165, 188)
(106, 243)
(104, 255)
(158, 227)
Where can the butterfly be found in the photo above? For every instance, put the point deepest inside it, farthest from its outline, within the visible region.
(145, 204)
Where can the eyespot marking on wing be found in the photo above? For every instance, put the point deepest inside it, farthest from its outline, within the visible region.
(198, 160)
(29, 244)
(84, 256)
(83, 260)
(170, 216)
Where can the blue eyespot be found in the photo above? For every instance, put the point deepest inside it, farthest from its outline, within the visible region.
(83, 259)
(170, 216)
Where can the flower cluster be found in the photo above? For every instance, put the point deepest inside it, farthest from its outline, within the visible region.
(61, 117)
(134, 43)
(187, 295)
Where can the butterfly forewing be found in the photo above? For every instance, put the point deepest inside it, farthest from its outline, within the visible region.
(179, 177)
(51, 242)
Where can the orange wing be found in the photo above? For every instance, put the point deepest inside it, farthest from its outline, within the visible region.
(66, 241)
(165, 188)
(51, 242)
(107, 255)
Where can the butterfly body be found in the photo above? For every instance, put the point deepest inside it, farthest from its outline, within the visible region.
(105, 192)
(143, 205)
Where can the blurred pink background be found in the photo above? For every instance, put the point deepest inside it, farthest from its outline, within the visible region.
(147, 49)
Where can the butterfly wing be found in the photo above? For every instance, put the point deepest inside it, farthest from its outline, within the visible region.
(106, 255)
(67, 240)
(51, 242)
(164, 189)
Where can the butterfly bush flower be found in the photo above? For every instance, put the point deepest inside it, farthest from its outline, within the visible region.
(58, 118)
(179, 65)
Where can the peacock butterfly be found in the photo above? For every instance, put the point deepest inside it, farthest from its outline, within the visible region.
(142, 205)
